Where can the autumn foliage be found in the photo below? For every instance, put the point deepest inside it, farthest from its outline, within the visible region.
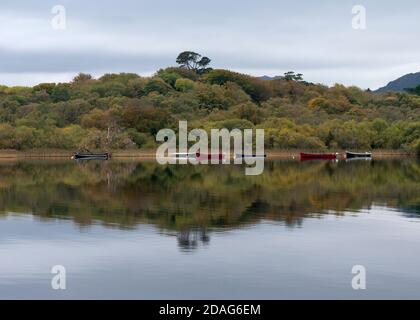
(125, 111)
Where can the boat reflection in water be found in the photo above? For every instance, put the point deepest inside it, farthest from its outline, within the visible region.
(318, 156)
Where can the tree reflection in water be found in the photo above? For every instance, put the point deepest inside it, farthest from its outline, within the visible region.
(190, 239)
(196, 200)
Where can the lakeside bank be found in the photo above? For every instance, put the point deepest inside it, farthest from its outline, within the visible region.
(150, 154)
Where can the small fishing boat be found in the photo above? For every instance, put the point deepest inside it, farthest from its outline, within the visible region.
(198, 156)
(253, 156)
(183, 155)
(352, 155)
(318, 156)
(87, 155)
(211, 156)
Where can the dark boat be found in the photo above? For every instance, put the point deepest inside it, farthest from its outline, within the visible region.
(318, 156)
(87, 155)
(353, 155)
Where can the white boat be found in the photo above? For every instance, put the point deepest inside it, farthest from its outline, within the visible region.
(182, 155)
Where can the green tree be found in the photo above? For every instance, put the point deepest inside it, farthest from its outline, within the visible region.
(6, 136)
(257, 89)
(157, 85)
(415, 90)
(416, 147)
(193, 61)
(47, 87)
(82, 78)
(249, 111)
(184, 85)
(60, 92)
(292, 76)
(139, 138)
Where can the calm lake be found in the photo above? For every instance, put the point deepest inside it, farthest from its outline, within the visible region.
(140, 230)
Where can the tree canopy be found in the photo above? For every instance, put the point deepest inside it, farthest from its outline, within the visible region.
(415, 90)
(193, 61)
(292, 76)
(125, 110)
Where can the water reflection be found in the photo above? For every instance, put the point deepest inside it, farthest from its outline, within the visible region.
(192, 202)
(190, 239)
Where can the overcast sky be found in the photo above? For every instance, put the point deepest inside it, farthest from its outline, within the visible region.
(264, 37)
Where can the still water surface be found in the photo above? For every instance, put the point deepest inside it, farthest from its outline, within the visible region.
(140, 230)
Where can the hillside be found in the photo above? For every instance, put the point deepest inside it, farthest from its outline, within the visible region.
(125, 111)
(408, 81)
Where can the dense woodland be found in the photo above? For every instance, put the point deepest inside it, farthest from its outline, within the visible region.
(125, 111)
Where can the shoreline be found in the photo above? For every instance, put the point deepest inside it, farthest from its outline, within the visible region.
(150, 154)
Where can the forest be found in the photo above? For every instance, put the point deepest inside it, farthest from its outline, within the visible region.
(125, 111)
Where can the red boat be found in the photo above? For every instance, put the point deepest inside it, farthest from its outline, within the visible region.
(216, 156)
(318, 156)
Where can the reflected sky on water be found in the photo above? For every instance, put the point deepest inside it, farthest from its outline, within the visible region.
(139, 230)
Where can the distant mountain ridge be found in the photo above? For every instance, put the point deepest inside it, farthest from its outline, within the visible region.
(270, 78)
(410, 80)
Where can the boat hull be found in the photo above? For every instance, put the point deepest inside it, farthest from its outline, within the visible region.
(353, 155)
(246, 156)
(91, 156)
(318, 156)
(203, 157)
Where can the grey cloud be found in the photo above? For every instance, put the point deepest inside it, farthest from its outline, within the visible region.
(60, 62)
(260, 36)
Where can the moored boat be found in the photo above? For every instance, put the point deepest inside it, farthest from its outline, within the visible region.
(211, 156)
(318, 156)
(91, 156)
(198, 156)
(253, 156)
(183, 155)
(352, 155)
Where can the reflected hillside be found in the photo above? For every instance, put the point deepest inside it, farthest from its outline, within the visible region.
(179, 198)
